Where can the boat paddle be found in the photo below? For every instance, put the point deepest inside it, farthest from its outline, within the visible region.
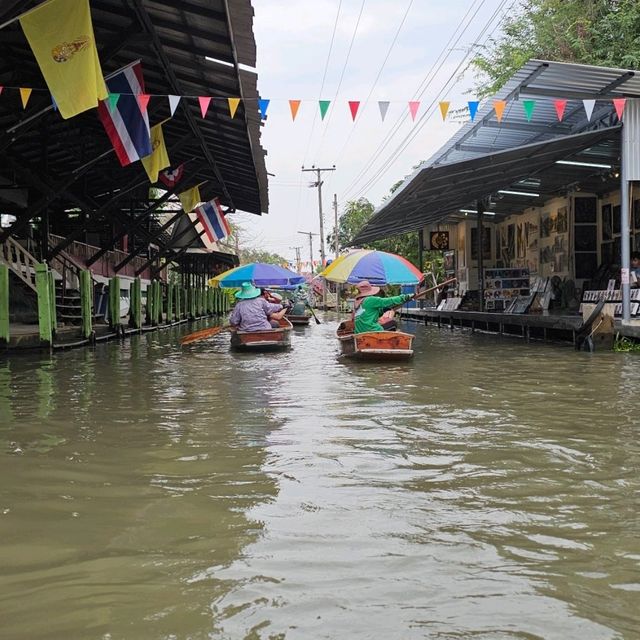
(415, 296)
(312, 313)
(209, 332)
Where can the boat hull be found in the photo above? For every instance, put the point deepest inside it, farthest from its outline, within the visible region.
(264, 340)
(298, 320)
(374, 345)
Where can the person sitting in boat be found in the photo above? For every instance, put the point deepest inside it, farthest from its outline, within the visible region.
(271, 296)
(369, 307)
(252, 311)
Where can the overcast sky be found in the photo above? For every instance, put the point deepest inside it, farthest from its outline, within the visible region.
(294, 38)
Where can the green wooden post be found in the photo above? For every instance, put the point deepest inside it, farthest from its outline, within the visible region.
(170, 317)
(185, 296)
(135, 305)
(4, 304)
(178, 310)
(52, 302)
(44, 303)
(86, 303)
(159, 303)
(199, 301)
(114, 302)
(149, 305)
(210, 301)
(192, 306)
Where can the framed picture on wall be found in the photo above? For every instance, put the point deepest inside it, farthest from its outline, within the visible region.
(439, 240)
(449, 261)
(586, 209)
(562, 222)
(607, 222)
(486, 243)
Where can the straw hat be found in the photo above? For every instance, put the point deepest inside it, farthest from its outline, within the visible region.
(365, 288)
(247, 292)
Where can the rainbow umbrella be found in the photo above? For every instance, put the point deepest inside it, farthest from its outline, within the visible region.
(261, 274)
(378, 267)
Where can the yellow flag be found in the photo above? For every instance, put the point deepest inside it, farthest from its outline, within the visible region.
(60, 35)
(233, 105)
(158, 159)
(25, 94)
(190, 198)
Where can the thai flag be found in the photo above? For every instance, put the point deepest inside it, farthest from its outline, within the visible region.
(212, 219)
(127, 124)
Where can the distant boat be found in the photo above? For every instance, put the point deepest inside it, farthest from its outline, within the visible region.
(373, 345)
(263, 340)
(298, 320)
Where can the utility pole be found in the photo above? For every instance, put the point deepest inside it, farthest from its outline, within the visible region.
(318, 183)
(298, 265)
(310, 235)
(335, 213)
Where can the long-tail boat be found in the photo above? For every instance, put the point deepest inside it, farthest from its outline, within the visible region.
(298, 319)
(373, 345)
(263, 340)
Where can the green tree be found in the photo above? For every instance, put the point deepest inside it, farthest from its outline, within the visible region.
(251, 254)
(598, 32)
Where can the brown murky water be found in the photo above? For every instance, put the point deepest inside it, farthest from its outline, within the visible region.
(484, 490)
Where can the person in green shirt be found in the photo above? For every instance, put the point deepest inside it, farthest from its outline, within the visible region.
(368, 307)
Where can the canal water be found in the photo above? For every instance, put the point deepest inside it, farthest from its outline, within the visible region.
(487, 489)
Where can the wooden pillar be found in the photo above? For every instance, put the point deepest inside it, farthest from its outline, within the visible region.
(52, 302)
(158, 304)
(86, 303)
(192, 302)
(135, 307)
(480, 208)
(44, 304)
(170, 314)
(178, 301)
(4, 305)
(114, 302)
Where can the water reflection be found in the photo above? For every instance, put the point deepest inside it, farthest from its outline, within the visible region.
(486, 489)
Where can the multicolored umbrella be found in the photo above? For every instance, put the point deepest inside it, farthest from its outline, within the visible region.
(378, 267)
(261, 274)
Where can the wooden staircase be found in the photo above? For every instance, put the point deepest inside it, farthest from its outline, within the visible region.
(19, 261)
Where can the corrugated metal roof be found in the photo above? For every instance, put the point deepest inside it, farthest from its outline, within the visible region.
(543, 81)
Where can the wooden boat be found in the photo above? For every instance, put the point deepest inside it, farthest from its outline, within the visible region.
(373, 345)
(298, 320)
(264, 340)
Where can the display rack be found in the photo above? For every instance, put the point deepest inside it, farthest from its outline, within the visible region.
(502, 286)
(614, 297)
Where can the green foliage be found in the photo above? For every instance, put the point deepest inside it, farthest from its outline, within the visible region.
(625, 345)
(598, 32)
(250, 254)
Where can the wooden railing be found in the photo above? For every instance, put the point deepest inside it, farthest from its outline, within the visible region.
(20, 261)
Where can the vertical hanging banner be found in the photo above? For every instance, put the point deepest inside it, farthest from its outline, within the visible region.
(619, 103)
(444, 109)
(60, 34)
(263, 105)
(354, 105)
(204, 102)
(233, 106)
(528, 106)
(159, 159)
(588, 107)
(126, 124)
(499, 107)
(324, 107)
(173, 104)
(25, 94)
(294, 105)
(473, 108)
(414, 105)
(383, 105)
(560, 106)
(212, 219)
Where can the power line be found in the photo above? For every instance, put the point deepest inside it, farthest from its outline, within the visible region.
(428, 112)
(440, 60)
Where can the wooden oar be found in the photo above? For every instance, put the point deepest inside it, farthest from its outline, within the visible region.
(203, 334)
(423, 293)
(312, 313)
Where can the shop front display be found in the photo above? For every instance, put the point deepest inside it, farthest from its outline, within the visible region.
(503, 286)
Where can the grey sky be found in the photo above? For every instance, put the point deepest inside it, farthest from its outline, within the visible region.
(293, 39)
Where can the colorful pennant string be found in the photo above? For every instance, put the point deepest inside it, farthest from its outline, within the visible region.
(354, 105)
(204, 104)
(112, 100)
(414, 105)
(444, 109)
(383, 105)
(588, 107)
(560, 107)
(263, 105)
(233, 106)
(619, 103)
(473, 108)
(499, 107)
(294, 105)
(324, 107)
(528, 106)
(173, 104)
(25, 94)
(143, 101)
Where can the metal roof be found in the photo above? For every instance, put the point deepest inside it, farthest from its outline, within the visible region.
(42, 151)
(542, 81)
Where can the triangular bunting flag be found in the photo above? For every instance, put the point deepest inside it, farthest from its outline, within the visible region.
(263, 105)
(204, 105)
(294, 105)
(383, 105)
(473, 108)
(354, 105)
(444, 108)
(414, 105)
(619, 103)
(324, 107)
(588, 107)
(173, 104)
(233, 106)
(528, 106)
(143, 101)
(25, 95)
(560, 107)
(499, 106)
(112, 100)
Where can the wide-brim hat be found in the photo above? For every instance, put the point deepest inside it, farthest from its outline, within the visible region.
(365, 288)
(247, 292)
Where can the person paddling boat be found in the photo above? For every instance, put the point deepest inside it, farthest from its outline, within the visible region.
(369, 307)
